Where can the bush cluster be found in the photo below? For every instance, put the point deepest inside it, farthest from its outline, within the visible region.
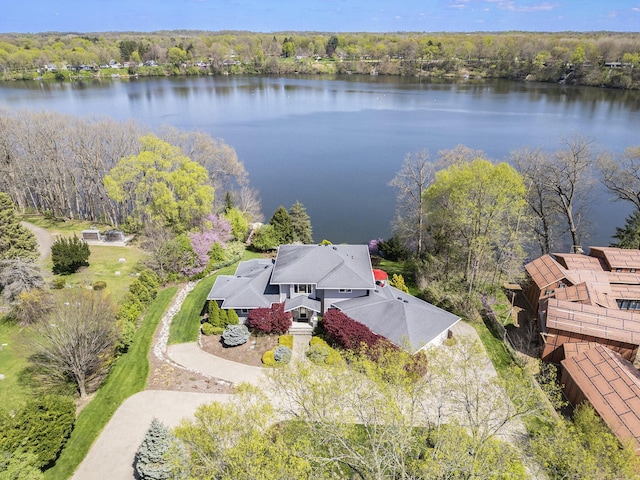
(235, 335)
(69, 254)
(40, 428)
(141, 293)
(320, 353)
(270, 320)
(99, 285)
(208, 329)
(280, 355)
(346, 332)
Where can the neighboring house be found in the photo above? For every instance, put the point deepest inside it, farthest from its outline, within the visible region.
(310, 279)
(611, 384)
(587, 298)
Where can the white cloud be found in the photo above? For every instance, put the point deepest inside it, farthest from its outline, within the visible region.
(514, 6)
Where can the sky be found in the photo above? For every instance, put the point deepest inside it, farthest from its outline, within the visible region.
(33, 16)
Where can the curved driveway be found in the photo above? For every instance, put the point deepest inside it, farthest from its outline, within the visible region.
(44, 238)
(111, 456)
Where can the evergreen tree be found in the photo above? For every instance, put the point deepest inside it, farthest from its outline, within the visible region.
(69, 254)
(281, 223)
(301, 223)
(156, 457)
(214, 314)
(232, 317)
(224, 318)
(15, 240)
(629, 235)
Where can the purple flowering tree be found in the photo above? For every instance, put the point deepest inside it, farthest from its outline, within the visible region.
(218, 230)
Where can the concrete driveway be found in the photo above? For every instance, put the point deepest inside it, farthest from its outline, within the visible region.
(111, 456)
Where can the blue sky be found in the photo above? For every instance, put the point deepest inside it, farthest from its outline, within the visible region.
(319, 15)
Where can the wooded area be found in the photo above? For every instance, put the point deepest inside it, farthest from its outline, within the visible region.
(591, 58)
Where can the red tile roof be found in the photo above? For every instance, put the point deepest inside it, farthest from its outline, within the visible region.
(545, 271)
(612, 385)
(579, 261)
(618, 257)
(572, 349)
(608, 323)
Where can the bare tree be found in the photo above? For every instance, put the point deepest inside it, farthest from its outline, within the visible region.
(458, 155)
(530, 164)
(247, 199)
(76, 342)
(563, 181)
(621, 175)
(412, 179)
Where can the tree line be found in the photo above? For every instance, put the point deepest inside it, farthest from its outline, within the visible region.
(588, 58)
(56, 165)
(465, 222)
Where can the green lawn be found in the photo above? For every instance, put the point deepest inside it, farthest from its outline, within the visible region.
(13, 360)
(59, 226)
(185, 326)
(103, 265)
(128, 376)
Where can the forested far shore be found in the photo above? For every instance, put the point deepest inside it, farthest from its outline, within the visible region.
(603, 59)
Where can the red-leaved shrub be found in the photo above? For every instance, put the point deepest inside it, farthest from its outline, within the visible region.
(346, 332)
(270, 320)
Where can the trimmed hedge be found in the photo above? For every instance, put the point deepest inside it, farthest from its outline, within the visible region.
(286, 340)
(319, 352)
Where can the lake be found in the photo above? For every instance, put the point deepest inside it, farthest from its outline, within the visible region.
(334, 143)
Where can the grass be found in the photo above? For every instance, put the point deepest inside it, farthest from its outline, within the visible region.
(13, 360)
(62, 227)
(127, 377)
(185, 325)
(103, 265)
(495, 348)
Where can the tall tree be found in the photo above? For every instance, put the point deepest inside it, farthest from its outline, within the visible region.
(161, 184)
(76, 342)
(15, 240)
(561, 184)
(629, 235)
(621, 175)
(282, 226)
(301, 223)
(411, 181)
(481, 206)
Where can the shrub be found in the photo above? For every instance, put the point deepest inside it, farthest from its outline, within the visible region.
(69, 254)
(270, 320)
(207, 328)
(318, 353)
(58, 283)
(214, 313)
(282, 354)
(235, 335)
(268, 358)
(286, 340)
(346, 332)
(99, 285)
(41, 428)
(232, 317)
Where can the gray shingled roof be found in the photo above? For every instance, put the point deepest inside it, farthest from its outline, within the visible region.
(302, 301)
(326, 266)
(403, 319)
(248, 288)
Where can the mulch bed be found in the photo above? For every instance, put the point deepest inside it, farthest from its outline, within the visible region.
(249, 354)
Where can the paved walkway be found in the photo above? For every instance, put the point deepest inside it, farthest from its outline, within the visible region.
(112, 455)
(192, 357)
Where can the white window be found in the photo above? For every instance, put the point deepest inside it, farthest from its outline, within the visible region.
(303, 312)
(345, 290)
(301, 288)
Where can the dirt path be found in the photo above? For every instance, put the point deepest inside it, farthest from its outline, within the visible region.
(44, 238)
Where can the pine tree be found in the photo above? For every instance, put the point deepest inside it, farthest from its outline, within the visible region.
(224, 318)
(15, 240)
(69, 254)
(154, 455)
(232, 317)
(214, 314)
(629, 235)
(281, 223)
(301, 223)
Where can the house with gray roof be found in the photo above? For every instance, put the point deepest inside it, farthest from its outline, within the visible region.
(310, 279)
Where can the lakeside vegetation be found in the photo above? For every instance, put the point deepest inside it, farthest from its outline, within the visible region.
(603, 59)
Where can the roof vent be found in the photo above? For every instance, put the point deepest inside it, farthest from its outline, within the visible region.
(399, 298)
(406, 301)
(335, 248)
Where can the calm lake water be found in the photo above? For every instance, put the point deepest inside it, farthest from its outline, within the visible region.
(334, 143)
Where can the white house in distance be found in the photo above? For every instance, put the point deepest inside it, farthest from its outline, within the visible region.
(310, 279)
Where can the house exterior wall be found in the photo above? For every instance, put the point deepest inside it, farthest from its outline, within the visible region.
(574, 394)
(327, 297)
(554, 353)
